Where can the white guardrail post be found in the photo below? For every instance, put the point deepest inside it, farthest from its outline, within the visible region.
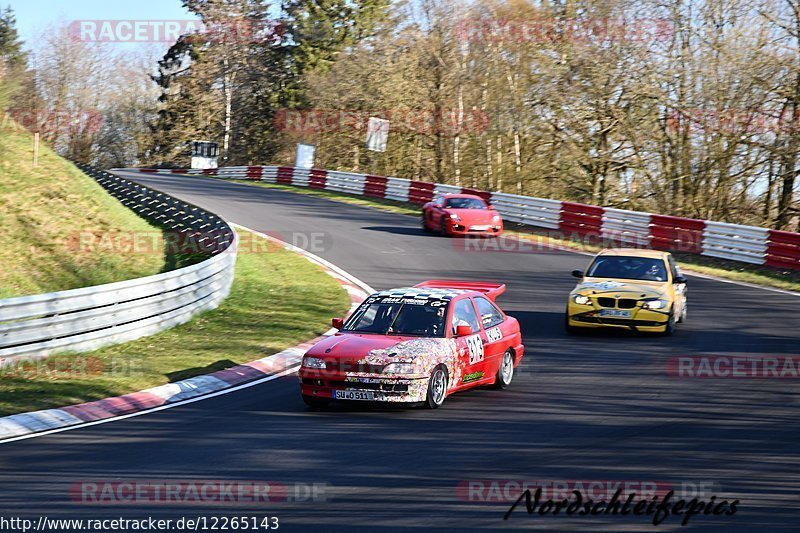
(92, 317)
(626, 228)
(747, 244)
(346, 182)
(527, 210)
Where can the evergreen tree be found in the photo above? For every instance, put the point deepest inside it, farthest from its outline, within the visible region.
(320, 30)
(11, 53)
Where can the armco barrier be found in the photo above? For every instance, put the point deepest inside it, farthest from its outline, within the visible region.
(676, 233)
(346, 182)
(526, 210)
(398, 189)
(626, 228)
(581, 219)
(420, 192)
(253, 173)
(617, 227)
(375, 186)
(285, 175)
(316, 179)
(783, 249)
(747, 244)
(92, 317)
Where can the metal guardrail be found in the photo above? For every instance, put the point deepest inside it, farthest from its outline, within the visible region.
(631, 228)
(618, 227)
(526, 210)
(747, 244)
(92, 317)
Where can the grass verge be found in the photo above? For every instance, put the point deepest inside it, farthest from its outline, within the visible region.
(721, 268)
(43, 213)
(278, 299)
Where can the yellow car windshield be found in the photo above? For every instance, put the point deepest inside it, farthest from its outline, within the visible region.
(628, 267)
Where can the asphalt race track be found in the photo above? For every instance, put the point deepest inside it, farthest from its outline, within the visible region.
(596, 407)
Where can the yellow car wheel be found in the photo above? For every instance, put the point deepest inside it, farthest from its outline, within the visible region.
(669, 329)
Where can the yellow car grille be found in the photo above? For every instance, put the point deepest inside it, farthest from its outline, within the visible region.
(616, 303)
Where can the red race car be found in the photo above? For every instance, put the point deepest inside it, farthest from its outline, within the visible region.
(415, 345)
(461, 214)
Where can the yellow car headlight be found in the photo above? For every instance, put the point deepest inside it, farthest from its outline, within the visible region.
(580, 299)
(655, 304)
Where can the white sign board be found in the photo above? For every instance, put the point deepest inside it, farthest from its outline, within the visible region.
(204, 154)
(377, 134)
(304, 157)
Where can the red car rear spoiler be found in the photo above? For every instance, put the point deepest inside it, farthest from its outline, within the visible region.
(491, 290)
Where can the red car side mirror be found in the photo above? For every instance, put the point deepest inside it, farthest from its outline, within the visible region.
(463, 330)
(337, 323)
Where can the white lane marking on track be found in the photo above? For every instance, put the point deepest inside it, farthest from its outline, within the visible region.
(317, 258)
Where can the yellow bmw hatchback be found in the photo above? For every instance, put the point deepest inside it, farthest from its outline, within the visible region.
(639, 290)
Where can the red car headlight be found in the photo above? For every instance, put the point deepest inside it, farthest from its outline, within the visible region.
(314, 362)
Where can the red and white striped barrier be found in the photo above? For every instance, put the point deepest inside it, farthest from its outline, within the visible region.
(735, 242)
(581, 219)
(676, 233)
(783, 249)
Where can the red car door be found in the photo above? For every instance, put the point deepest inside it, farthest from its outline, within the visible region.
(472, 348)
(496, 338)
(435, 213)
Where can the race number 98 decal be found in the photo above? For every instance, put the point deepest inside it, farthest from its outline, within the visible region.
(475, 346)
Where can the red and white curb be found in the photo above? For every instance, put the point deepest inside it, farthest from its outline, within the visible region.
(47, 421)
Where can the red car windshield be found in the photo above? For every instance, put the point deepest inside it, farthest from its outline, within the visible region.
(399, 316)
(464, 203)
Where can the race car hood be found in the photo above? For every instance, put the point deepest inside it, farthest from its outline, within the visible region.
(473, 216)
(632, 289)
(370, 349)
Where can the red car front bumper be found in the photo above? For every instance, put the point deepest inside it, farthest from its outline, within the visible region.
(452, 227)
(377, 387)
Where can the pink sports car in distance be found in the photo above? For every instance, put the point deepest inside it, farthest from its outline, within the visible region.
(461, 214)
